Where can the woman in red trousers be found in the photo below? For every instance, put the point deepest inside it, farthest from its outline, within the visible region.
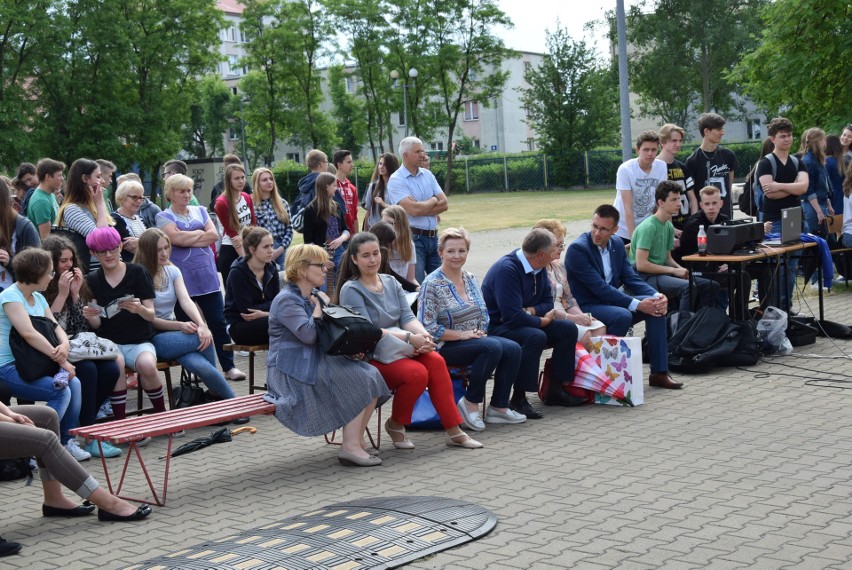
(381, 299)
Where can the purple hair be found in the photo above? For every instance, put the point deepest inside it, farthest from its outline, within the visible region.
(103, 239)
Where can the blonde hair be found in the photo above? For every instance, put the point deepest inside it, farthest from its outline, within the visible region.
(555, 227)
(667, 130)
(325, 206)
(127, 186)
(299, 256)
(129, 176)
(277, 203)
(453, 233)
(810, 142)
(177, 182)
(146, 251)
(403, 243)
(709, 191)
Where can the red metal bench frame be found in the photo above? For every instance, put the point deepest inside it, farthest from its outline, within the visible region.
(133, 430)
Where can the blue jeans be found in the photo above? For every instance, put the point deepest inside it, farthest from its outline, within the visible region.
(213, 308)
(484, 356)
(619, 319)
(65, 402)
(428, 259)
(176, 345)
(810, 217)
(561, 335)
(707, 290)
(337, 258)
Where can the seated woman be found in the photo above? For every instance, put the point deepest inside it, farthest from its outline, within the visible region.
(32, 431)
(188, 342)
(386, 235)
(315, 393)
(122, 309)
(67, 294)
(403, 258)
(381, 299)
(33, 269)
(252, 285)
(16, 234)
(563, 301)
(453, 312)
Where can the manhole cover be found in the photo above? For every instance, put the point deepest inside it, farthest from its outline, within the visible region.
(383, 532)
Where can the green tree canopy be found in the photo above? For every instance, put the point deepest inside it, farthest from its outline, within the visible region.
(801, 65)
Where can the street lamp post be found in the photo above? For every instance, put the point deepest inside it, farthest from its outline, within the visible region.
(412, 73)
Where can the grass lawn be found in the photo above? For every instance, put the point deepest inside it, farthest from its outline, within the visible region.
(500, 210)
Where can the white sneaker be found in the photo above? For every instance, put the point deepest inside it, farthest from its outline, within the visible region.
(243, 353)
(814, 286)
(235, 374)
(104, 411)
(76, 451)
(470, 420)
(493, 416)
(839, 279)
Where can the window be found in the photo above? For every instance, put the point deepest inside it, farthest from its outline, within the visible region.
(401, 119)
(232, 34)
(530, 143)
(527, 66)
(350, 84)
(242, 37)
(233, 134)
(471, 111)
(436, 146)
(754, 129)
(294, 156)
(234, 65)
(476, 143)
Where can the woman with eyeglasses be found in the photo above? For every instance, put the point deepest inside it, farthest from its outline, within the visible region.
(315, 393)
(192, 232)
(33, 272)
(563, 301)
(122, 310)
(129, 196)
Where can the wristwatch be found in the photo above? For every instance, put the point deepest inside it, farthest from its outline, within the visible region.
(408, 338)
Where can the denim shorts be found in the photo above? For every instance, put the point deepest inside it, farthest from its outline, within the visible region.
(132, 351)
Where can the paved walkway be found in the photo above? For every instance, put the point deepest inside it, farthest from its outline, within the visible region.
(740, 469)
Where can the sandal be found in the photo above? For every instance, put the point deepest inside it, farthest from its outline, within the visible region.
(405, 443)
(462, 440)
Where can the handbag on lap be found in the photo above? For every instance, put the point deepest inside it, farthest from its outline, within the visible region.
(345, 332)
(30, 362)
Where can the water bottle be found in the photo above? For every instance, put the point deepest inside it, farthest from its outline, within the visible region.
(702, 241)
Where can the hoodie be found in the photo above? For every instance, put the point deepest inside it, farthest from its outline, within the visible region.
(242, 291)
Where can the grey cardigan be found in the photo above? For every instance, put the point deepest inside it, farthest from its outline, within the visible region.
(293, 347)
(386, 309)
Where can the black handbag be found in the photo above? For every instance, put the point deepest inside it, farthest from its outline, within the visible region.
(30, 362)
(189, 393)
(343, 331)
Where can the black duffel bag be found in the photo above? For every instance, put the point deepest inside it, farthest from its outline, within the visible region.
(32, 363)
(343, 331)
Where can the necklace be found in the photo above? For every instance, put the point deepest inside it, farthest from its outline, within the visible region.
(710, 157)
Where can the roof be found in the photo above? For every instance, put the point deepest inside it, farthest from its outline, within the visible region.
(230, 6)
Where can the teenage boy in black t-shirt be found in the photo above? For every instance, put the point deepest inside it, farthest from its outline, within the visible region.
(710, 164)
(782, 190)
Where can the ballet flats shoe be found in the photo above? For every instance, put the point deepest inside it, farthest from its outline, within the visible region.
(78, 511)
(142, 512)
(352, 460)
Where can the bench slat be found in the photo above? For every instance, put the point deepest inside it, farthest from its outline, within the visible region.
(134, 429)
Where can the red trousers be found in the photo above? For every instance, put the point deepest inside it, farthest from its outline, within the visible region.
(409, 377)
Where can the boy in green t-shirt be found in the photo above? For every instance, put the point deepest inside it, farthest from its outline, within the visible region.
(43, 207)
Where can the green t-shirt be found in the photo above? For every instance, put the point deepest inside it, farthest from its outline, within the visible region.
(42, 208)
(656, 237)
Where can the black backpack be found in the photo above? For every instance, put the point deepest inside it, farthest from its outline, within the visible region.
(17, 468)
(702, 340)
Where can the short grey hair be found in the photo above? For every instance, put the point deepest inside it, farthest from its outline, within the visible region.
(406, 144)
(538, 240)
(125, 187)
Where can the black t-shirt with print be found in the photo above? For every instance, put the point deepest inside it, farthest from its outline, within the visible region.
(124, 327)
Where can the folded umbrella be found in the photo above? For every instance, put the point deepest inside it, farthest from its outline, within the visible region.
(219, 436)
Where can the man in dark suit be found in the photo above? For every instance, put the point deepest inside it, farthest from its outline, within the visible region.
(597, 267)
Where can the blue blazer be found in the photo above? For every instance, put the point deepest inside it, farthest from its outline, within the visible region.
(584, 267)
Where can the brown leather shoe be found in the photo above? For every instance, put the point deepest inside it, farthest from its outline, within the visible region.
(663, 380)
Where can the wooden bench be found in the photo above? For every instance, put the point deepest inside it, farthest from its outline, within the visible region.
(251, 349)
(134, 430)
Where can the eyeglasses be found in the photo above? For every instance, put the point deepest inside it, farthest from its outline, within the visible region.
(560, 245)
(320, 265)
(136, 198)
(596, 228)
(113, 251)
(52, 274)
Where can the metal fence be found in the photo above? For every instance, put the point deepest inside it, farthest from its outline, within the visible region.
(527, 171)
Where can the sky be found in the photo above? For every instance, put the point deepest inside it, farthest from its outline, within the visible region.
(533, 17)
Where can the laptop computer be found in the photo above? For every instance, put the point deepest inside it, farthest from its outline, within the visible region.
(791, 227)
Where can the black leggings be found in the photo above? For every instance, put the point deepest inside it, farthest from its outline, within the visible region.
(227, 256)
(97, 382)
(251, 332)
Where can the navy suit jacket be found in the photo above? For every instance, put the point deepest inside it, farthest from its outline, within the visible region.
(585, 270)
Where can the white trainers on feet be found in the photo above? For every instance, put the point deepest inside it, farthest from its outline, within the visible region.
(470, 420)
(76, 451)
(244, 353)
(235, 374)
(493, 416)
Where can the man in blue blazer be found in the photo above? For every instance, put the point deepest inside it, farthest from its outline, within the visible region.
(597, 267)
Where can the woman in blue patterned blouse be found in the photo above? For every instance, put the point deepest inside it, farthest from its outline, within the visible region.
(272, 212)
(453, 312)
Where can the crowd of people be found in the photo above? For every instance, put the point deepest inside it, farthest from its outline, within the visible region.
(148, 284)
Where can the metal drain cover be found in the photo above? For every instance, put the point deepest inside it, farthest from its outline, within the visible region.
(381, 532)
